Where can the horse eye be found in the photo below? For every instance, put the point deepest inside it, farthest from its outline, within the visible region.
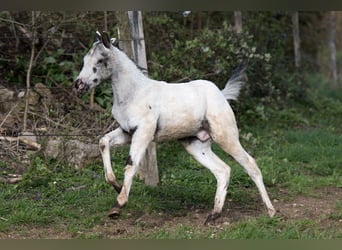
(100, 61)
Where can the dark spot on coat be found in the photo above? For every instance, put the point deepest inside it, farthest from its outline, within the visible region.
(102, 147)
(105, 64)
(149, 107)
(132, 130)
(94, 69)
(129, 161)
(117, 187)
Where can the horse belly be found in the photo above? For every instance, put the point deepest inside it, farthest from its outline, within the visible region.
(182, 109)
(176, 129)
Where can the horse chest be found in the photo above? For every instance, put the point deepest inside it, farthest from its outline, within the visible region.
(131, 117)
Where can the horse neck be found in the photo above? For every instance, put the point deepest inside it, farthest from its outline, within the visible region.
(126, 79)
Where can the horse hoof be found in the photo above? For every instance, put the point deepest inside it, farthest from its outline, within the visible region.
(114, 213)
(211, 218)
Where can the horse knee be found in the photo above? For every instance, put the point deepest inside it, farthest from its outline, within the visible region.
(103, 143)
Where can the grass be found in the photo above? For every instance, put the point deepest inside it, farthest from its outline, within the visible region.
(298, 158)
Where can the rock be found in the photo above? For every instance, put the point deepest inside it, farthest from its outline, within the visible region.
(33, 98)
(6, 94)
(78, 153)
(73, 152)
(54, 149)
(44, 92)
(6, 99)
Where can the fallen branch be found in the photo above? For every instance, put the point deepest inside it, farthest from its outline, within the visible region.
(30, 143)
(76, 188)
(2, 218)
(22, 139)
(8, 138)
(12, 180)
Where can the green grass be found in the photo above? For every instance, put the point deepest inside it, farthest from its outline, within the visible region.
(258, 228)
(298, 149)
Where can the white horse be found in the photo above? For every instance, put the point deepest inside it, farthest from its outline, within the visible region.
(196, 113)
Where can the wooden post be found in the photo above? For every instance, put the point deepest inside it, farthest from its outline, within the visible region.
(131, 39)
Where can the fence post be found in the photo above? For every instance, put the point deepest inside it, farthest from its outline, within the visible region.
(132, 42)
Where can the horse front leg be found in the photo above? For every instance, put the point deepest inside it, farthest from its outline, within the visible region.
(140, 141)
(115, 138)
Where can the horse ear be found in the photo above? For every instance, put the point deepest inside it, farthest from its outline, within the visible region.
(114, 41)
(106, 40)
(98, 36)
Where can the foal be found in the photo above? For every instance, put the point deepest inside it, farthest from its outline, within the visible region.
(196, 113)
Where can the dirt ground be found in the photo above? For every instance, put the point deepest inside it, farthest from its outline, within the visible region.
(317, 207)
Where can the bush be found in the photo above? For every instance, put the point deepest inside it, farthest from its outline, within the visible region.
(212, 55)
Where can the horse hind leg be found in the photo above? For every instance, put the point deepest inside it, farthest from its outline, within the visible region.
(201, 151)
(232, 146)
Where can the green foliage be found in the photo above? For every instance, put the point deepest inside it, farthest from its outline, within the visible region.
(213, 52)
(104, 95)
(212, 55)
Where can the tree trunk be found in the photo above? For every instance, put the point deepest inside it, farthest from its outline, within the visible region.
(131, 39)
(297, 53)
(296, 40)
(332, 47)
(238, 21)
(29, 70)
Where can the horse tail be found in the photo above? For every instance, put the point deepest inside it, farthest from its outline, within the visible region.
(232, 89)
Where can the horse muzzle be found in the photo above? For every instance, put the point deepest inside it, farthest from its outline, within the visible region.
(81, 86)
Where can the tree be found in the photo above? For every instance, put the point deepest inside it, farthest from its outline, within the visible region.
(29, 70)
(296, 39)
(238, 21)
(297, 52)
(332, 46)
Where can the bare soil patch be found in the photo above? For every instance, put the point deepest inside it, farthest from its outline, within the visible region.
(318, 207)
